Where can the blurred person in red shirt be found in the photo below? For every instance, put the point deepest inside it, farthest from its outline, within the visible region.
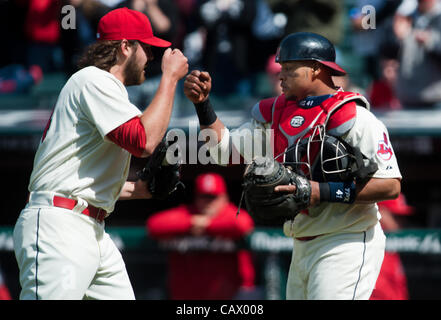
(42, 27)
(206, 260)
(382, 91)
(273, 70)
(392, 282)
(4, 291)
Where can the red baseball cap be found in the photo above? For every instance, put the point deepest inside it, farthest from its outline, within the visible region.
(124, 23)
(210, 183)
(397, 206)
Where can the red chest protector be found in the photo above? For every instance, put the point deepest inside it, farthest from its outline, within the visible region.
(292, 122)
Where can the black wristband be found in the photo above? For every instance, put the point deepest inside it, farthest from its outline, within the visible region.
(205, 113)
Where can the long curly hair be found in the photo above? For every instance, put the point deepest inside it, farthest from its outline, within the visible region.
(102, 54)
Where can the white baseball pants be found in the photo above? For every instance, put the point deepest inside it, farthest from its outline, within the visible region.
(336, 266)
(65, 255)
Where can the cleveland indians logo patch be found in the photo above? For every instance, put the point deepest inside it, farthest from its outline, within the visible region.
(384, 151)
(297, 121)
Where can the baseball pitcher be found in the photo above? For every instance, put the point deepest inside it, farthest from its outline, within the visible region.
(82, 163)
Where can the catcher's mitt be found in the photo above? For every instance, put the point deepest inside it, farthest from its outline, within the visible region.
(266, 206)
(161, 177)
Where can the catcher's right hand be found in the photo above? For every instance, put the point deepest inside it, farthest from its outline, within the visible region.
(197, 86)
(264, 204)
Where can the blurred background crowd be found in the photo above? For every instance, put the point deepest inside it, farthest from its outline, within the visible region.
(391, 50)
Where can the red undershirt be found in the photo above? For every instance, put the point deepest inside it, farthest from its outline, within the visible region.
(130, 136)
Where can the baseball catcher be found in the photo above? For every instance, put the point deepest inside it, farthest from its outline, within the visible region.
(162, 178)
(331, 161)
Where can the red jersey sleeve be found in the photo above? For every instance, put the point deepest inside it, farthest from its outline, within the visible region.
(130, 136)
(170, 223)
(228, 225)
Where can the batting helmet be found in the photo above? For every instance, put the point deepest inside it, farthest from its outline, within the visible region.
(309, 46)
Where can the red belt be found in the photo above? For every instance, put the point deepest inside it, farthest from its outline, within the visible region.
(97, 213)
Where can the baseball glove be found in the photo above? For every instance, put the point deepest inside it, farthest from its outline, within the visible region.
(162, 178)
(266, 206)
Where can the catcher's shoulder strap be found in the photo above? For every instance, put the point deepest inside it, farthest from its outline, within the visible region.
(346, 96)
(265, 109)
(341, 111)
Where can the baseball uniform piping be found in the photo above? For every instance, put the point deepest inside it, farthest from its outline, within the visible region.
(36, 256)
(362, 263)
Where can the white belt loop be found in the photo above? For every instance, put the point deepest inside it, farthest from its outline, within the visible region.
(80, 206)
(288, 228)
(40, 198)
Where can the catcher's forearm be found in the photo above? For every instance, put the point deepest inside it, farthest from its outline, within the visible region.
(315, 194)
(376, 190)
(134, 190)
(217, 127)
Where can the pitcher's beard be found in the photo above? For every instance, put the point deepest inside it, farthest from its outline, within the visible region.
(133, 74)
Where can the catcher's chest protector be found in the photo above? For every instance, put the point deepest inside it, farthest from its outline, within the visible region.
(292, 122)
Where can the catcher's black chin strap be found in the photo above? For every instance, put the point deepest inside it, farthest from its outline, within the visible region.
(359, 169)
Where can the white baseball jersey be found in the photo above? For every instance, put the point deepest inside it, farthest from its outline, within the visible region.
(74, 158)
(369, 134)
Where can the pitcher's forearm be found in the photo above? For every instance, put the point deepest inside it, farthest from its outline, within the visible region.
(156, 117)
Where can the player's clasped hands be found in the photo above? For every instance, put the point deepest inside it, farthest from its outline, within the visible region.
(174, 63)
